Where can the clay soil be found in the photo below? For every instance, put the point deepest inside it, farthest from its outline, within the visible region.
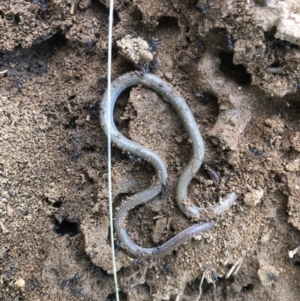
(241, 81)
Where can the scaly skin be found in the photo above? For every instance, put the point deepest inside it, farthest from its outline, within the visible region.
(128, 146)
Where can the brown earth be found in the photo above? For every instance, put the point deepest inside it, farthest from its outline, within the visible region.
(236, 65)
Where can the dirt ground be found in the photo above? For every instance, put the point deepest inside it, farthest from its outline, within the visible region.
(236, 63)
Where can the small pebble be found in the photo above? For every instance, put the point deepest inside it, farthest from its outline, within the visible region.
(20, 282)
(12, 192)
(168, 76)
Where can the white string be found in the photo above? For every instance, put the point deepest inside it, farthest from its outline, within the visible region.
(110, 27)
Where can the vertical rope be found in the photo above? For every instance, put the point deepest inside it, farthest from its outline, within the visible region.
(110, 28)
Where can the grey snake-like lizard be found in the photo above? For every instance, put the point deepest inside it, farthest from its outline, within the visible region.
(129, 146)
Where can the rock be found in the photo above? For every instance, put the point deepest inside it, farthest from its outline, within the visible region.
(267, 275)
(253, 197)
(12, 192)
(20, 282)
(135, 50)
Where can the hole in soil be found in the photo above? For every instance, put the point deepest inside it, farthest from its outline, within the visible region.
(112, 297)
(88, 147)
(207, 287)
(56, 41)
(270, 33)
(207, 98)
(277, 43)
(65, 227)
(277, 179)
(247, 288)
(96, 4)
(17, 19)
(88, 178)
(2, 61)
(282, 44)
(56, 204)
(32, 59)
(221, 39)
(237, 73)
(167, 23)
(275, 65)
(192, 288)
(136, 17)
(261, 3)
(72, 123)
